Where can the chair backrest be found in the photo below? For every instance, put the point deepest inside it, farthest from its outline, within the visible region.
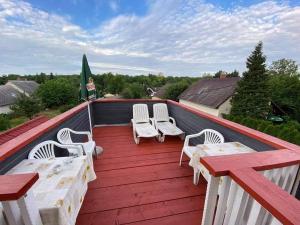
(43, 150)
(160, 112)
(64, 136)
(140, 113)
(212, 137)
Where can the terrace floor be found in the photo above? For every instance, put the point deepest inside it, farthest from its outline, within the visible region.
(141, 184)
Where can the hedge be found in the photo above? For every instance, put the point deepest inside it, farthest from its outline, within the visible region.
(289, 131)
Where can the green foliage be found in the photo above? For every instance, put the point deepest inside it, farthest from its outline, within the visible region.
(4, 122)
(27, 106)
(289, 131)
(65, 108)
(252, 94)
(174, 90)
(133, 91)
(58, 92)
(284, 67)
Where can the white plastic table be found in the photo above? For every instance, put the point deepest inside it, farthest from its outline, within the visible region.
(59, 193)
(227, 148)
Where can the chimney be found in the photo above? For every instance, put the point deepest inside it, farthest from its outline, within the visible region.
(223, 75)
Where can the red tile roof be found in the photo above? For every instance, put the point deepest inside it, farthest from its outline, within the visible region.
(16, 131)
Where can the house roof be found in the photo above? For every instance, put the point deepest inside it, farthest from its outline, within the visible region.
(28, 86)
(8, 95)
(160, 92)
(211, 92)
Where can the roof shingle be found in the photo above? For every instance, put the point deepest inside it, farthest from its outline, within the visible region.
(211, 92)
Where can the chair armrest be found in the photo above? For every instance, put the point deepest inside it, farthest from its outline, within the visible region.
(83, 133)
(77, 146)
(172, 120)
(188, 137)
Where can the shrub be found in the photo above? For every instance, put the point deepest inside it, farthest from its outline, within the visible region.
(27, 106)
(4, 122)
(58, 92)
(65, 108)
(174, 90)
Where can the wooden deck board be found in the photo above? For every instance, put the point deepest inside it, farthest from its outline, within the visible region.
(141, 184)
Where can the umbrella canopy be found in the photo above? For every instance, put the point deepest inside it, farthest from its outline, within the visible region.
(87, 87)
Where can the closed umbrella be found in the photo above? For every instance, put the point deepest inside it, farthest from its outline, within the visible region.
(87, 86)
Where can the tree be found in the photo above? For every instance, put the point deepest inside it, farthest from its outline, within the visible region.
(252, 97)
(286, 67)
(133, 91)
(218, 74)
(58, 92)
(4, 122)
(27, 106)
(174, 90)
(235, 73)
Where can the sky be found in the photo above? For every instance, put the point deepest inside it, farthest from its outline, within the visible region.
(173, 37)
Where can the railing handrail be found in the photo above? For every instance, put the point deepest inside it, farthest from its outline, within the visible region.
(9, 148)
(223, 165)
(15, 186)
(278, 202)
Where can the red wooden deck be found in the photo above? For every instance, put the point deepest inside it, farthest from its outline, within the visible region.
(141, 184)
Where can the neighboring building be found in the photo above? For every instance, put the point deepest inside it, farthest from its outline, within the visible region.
(24, 86)
(211, 95)
(11, 90)
(160, 92)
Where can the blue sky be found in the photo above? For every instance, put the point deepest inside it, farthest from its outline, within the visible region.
(175, 37)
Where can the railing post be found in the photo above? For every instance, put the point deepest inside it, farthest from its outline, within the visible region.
(210, 200)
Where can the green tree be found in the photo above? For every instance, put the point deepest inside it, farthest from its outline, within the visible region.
(252, 97)
(133, 91)
(174, 90)
(58, 92)
(284, 67)
(27, 106)
(235, 73)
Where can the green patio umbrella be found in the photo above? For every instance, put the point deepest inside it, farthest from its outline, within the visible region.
(87, 86)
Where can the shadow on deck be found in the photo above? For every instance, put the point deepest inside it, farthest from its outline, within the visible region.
(141, 184)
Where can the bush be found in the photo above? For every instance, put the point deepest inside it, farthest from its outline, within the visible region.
(133, 91)
(4, 122)
(58, 92)
(65, 108)
(27, 106)
(289, 131)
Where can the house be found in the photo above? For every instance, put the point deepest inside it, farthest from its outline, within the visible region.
(11, 90)
(159, 93)
(211, 95)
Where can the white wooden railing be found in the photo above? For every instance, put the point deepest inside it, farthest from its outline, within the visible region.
(246, 196)
(18, 201)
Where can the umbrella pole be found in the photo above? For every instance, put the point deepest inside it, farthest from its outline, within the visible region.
(90, 120)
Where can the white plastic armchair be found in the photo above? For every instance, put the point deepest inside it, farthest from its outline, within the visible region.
(64, 137)
(142, 124)
(210, 137)
(164, 123)
(45, 150)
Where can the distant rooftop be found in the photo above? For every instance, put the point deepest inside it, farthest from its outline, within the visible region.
(8, 95)
(27, 86)
(211, 92)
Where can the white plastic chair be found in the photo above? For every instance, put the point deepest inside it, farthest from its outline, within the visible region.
(141, 123)
(64, 137)
(162, 122)
(45, 150)
(210, 137)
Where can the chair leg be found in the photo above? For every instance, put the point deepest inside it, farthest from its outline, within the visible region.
(136, 139)
(196, 176)
(180, 158)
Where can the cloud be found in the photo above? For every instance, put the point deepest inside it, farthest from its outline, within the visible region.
(175, 37)
(113, 6)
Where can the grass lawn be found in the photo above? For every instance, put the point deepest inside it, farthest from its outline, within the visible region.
(17, 121)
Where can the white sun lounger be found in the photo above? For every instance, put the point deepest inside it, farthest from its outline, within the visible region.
(162, 122)
(141, 123)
